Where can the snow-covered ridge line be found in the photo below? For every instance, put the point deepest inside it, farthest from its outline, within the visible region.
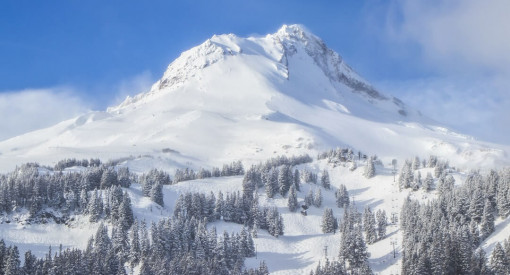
(277, 47)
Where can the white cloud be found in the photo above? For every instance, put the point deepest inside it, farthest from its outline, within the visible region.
(459, 34)
(475, 107)
(463, 48)
(32, 109)
(132, 86)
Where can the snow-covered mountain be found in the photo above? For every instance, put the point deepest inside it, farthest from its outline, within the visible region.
(250, 98)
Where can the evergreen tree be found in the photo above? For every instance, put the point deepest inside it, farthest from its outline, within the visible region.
(428, 183)
(317, 199)
(284, 181)
(30, 265)
(406, 176)
(353, 251)
(325, 179)
(369, 168)
(309, 197)
(292, 201)
(263, 270)
(218, 210)
(123, 176)
(95, 207)
(381, 223)
(487, 225)
(476, 205)
(12, 263)
(465, 250)
(369, 226)
(438, 170)
(417, 183)
(329, 223)
(126, 217)
(274, 222)
(108, 179)
(297, 180)
(416, 163)
(479, 262)
(156, 194)
(502, 199)
(342, 197)
(499, 261)
(250, 182)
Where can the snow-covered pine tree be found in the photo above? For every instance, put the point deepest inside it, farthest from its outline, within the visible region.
(134, 248)
(432, 161)
(284, 180)
(12, 262)
(325, 179)
(416, 163)
(369, 226)
(342, 197)
(309, 197)
(499, 261)
(487, 224)
(250, 182)
(329, 223)
(438, 169)
(428, 183)
(292, 201)
(317, 199)
(156, 194)
(95, 207)
(502, 199)
(406, 176)
(297, 180)
(108, 179)
(369, 168)
(381, 223)
(479, 262)
(274, 222)
(476, 205)
(126, 217)
(417, 183)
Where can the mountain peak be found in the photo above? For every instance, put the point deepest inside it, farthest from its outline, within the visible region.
(328, 60)
(282, 49)
(293, 30)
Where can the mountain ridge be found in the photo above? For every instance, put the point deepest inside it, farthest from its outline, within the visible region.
(249, 98)
(285, 40)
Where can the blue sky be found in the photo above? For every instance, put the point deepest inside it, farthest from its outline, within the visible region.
(448, 59)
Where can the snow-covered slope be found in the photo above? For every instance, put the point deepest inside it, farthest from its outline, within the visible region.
(249, 98)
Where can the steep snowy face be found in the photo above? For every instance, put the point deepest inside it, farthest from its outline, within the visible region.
(329, 61)
(289, 42)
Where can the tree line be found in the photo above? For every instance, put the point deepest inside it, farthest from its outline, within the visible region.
(444, 235)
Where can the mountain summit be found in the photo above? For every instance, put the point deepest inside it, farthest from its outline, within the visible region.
(291, 50)
(251, 98)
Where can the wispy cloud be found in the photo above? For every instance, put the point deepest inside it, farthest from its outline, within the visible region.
(31, 109)
(460, 34)
(134, 85)
(26, 110)
(475, 107)
(463, 46)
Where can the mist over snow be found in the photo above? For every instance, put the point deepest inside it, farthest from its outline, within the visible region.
(32, 109)
(458, 51)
